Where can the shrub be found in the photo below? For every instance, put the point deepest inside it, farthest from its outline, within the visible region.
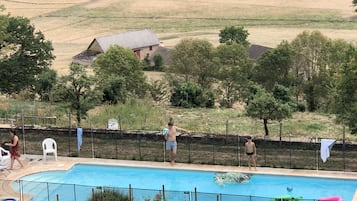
(108, 195)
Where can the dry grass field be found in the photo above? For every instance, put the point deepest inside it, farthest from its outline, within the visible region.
(72, 24)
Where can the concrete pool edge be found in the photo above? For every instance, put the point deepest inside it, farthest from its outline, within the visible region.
(34, 164)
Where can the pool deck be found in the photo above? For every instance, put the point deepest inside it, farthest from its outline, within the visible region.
(35, 163)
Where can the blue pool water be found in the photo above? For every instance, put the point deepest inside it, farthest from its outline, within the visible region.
(260, 185)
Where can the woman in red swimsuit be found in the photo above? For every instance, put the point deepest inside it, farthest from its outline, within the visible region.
(14, 149)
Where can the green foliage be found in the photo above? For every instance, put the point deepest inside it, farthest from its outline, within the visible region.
(190, 95)
(234, 34)
(26, 55)
(273, 67)
(233, 65)
(4, 20)
(309, 66)
(46, 82)
(114, 90)
(159, 91)
(108, 194)
(346, 104)
(268, 106)
(192, 60)
(78, 90)
(158, 62)
(120, 74)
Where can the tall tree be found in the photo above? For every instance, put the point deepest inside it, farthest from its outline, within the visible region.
(27, 55)
(234, 34)
(346, 96)
(192, 60)
(3, 25)
(78, 90)
(273, 67)
(120, 74)
(309, 66)
(233, 63)
(269, 106)
(46, 82)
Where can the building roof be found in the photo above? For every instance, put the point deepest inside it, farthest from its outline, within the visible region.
(132, 39)
(255, 51)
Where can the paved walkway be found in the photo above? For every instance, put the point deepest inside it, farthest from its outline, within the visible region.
(34, 163)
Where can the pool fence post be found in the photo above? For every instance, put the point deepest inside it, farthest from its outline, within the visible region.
(238, 151)
(164, 144)
(48, 192)
(317, 155)
(93, 194)
(130, 193)
(195, 194)
(163, 192)
(91, 136)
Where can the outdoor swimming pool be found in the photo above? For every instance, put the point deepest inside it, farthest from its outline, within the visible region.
(259, 185)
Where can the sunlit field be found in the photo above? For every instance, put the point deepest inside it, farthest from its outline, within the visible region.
(72, 25)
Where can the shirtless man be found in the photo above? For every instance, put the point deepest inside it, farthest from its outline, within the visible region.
(251, 152)
(170, 137)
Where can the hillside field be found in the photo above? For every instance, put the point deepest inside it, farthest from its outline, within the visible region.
(72, 24)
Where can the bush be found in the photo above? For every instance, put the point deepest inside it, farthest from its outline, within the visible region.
(108, 195)
(191, 95)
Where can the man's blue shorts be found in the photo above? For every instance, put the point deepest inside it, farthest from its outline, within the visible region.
(171, 145)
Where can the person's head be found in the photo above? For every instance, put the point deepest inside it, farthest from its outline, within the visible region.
(249, 138)
(171, 122)
(12, 132)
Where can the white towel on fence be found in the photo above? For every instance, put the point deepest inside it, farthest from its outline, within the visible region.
(326, 145)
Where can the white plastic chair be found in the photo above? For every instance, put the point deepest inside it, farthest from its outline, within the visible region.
(4, 156)
(49, 146)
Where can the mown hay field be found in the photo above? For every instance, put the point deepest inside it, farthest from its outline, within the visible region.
(72, 24)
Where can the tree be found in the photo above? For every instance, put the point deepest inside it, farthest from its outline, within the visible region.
(3, 24)
(159, 91)
(158, 62)
(346, 96)
(120, 74)
(46, 82)
(273, 67)
(78, 90)
(189, 95)
(354, 2)
(233, 63)
(234, 34)
(27, 55)
(263, 105)
(309, 67)
(192, 60)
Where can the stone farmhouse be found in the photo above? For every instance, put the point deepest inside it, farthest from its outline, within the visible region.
(144, 44)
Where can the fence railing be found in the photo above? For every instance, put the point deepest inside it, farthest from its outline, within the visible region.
(46, 191)
(192, 148)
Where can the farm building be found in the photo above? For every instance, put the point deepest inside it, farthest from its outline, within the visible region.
(144, 43)
(255, 51)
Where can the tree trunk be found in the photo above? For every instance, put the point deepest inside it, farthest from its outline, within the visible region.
(266, 127)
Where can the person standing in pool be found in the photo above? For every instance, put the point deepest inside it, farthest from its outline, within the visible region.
(251, 152)
(170, 137)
